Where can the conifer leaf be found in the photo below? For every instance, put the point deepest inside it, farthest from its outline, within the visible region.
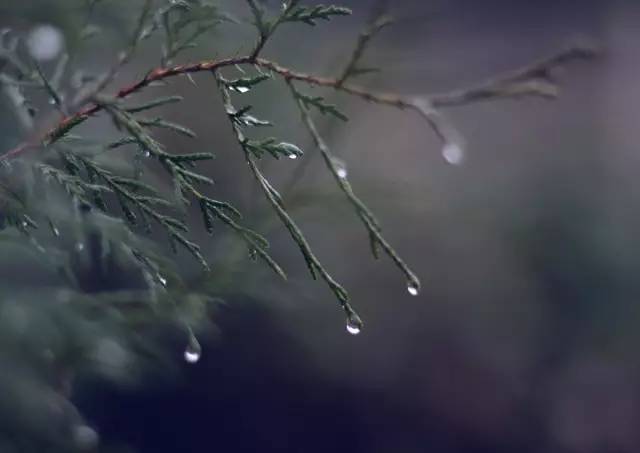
(310, 14)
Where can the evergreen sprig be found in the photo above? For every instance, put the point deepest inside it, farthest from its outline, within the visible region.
(376, 239)
(319, 103)
(75, 201)
(275, 200)
(311, 14)
(177, 17)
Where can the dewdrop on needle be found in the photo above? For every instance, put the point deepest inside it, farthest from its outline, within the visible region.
(354, 324)
(193, 351)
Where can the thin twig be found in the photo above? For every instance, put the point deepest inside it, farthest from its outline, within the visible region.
(376, 25)
(512, 84)
(124, 57)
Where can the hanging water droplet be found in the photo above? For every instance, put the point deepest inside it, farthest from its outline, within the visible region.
(413, 287)
(147, 153)
(453, 153)
(352, 329)
(354, 324)
(24, 224)
(293, 156)
(193, 351)
(162, 280)
(79, 246)
(52, 101)
(45, 42)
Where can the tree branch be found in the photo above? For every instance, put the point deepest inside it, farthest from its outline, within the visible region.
(531, 80)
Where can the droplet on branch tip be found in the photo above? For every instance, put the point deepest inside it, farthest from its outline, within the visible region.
(453, 153)
(354, 324)
(193, 351)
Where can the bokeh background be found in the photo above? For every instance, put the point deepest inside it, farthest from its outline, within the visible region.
(524, 337)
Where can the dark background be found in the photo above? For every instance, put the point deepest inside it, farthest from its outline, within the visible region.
(524, 337)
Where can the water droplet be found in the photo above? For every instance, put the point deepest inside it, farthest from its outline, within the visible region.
(352, 329)
(253, 254)
(340, 167)
(79, 246)
(52, 101)
(453, 153)
(55, 231)
(45, 42)
(240, 89)
(193, 351)
(413, 287)
(24, 224)
(162, 280)
(354, 324)
(293, 156)
(147, 153)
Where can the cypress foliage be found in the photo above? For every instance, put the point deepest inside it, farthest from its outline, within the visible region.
(65, 206)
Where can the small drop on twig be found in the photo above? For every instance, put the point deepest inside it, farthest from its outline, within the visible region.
(193, 351)
(253, 254)
(453, 153)
(340, 167)
(413, 287)
(240, 89)
(354, 324)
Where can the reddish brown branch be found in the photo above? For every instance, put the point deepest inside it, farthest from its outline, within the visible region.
(83, 114)
(531, 80)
